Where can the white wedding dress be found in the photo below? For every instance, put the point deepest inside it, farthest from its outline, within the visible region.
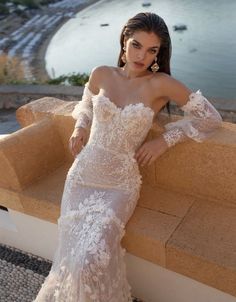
(101, 192)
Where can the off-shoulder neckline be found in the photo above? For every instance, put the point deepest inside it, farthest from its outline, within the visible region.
(118, 107)
(121, 109)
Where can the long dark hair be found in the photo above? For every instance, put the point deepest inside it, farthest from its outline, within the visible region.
(150, 22)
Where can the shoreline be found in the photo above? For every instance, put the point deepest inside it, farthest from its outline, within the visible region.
(39, 64)
(36, 59)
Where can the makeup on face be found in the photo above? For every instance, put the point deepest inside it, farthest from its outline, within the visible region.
(138, 45)
(138, 64)
(142, 49)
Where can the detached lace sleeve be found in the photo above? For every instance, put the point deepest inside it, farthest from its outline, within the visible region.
(83, 111)
(200, 121)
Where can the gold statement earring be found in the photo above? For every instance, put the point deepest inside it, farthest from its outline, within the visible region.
(155, 66)
(123, 58)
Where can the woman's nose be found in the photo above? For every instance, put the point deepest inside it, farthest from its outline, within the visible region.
(141, 55)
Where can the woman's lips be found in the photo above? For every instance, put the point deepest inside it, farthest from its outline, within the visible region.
(138, 64)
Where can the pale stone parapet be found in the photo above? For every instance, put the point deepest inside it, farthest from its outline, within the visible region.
(30, 153)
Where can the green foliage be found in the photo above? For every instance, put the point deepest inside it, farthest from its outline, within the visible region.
(71, 79)
(3, 9)
(44, 2)
(27, 3)
(18, 82)
(57, 80)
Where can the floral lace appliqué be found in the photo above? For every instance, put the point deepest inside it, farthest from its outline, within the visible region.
(200, 121)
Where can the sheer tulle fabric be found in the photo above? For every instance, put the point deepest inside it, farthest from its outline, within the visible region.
(200, 121)
(83, 111)
(100, 194)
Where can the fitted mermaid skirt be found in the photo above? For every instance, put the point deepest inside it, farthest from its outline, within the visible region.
(88, 264)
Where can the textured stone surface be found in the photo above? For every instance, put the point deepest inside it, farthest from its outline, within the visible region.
(147, 234)
(164, 201)
(29, 154)
(205, 170)
(204, 245)
(21, 274)
(43, 198)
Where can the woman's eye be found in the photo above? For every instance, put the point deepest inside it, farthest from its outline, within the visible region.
(153, 51)
(135, 45)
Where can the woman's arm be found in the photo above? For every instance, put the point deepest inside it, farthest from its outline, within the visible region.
(83, 111)
(83, 114)
(201, 119)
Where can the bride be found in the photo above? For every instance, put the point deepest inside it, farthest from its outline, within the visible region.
(102, 186)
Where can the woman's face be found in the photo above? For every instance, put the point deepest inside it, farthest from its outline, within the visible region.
(141, 49)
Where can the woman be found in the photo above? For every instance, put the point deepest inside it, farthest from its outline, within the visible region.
(102, 186)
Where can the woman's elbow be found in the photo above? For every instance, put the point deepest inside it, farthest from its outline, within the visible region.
(217, 122)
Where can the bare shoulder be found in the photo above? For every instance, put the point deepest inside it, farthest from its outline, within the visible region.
(171, 88)
(97, 76)
(166, 80)
(100, 70)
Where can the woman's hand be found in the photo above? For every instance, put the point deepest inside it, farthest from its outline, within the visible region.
(151, 150)
(77, 140)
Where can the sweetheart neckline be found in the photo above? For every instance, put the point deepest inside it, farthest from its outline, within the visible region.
(121, 109)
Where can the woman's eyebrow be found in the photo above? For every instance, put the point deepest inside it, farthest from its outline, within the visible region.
(141, 44)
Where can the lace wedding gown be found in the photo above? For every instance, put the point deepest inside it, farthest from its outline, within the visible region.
(101, 192)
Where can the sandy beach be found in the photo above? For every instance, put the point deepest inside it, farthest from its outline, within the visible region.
(15, 29)
(39, 69)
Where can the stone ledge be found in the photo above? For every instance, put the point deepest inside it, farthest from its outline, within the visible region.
(198, 240)
(203, 246)
(26, 155)
(14, 96)
(179, 223)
